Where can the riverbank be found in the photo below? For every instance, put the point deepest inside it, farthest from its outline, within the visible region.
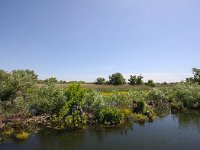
(75, 107)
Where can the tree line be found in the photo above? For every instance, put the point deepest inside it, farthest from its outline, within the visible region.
(118, 79)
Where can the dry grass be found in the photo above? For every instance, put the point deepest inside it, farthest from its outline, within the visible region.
(108, 88)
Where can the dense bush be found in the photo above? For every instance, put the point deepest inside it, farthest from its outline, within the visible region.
(100, 81)
(72, 112)
(110, 116)
(157, 95)
(150, 83)
(117, 79)
(93, 102)
(196, 77)
(47, 99)
(15, 83)
(188, 94)
(135, 80)
(139, 107)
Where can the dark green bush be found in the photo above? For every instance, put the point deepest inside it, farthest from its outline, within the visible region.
(135, 80)
(117, 79)
(100, 81)
(150, 83)
(139, 107)
(110, 116)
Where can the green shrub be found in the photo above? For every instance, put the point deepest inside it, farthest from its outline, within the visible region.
(93, 102)
(110, 116)
(135, 80)
(150, 83)
(72, 112)
(15, 83)
(157, 95)
(47, 99)
(188, 94)
(116, 79)
(100, 81)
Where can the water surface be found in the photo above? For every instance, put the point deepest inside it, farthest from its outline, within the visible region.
(173, 132)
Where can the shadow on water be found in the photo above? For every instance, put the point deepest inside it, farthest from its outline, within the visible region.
(172, 132)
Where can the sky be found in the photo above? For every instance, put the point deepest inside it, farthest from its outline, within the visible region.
(86, 39)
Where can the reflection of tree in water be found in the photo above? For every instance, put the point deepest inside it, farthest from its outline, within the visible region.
(62, 140)
(189, 120)
(162, 111)
(102, 132)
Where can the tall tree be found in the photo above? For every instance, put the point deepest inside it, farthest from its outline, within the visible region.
(116, 79)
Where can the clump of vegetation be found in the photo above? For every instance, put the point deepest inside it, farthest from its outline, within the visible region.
(100, 81)
(16, 83)
(116, 79)
(135, 80)
(139, 107)
(150, 83)
(8, 132)
(196, 77)
(110, 116)
(71, 114)
(141, 118)
(22, 135)
(188, 95)
(47, 99)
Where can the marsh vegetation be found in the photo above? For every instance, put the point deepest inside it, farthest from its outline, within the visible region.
(26, 107)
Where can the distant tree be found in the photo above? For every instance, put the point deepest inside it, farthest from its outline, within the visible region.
(79, 82)
(165, 83)
(100, 81)
(51, 80)
(135, 80)
(196, 77)
(116, 79)
(150, 83)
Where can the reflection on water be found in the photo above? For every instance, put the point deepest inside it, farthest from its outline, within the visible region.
(173, 132)
(189, 120)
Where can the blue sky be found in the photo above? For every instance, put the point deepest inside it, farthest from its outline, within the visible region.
(84, 39)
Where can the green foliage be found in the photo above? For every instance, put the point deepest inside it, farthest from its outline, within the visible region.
(72, 112)
(75, 94)
(157, 95)
(150, 83)
(118, 99)
(75, 120)
(196, 77)
(110, 116)
(188, 94)
(93, 102)
(47, 99)
(135, 80)
(51, 80)
(100, 81)
(15, 83)
(117, 79)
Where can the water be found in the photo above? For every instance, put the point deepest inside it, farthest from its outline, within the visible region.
(173, 132)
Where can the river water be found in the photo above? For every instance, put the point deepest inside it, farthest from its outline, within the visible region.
(172, 132)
